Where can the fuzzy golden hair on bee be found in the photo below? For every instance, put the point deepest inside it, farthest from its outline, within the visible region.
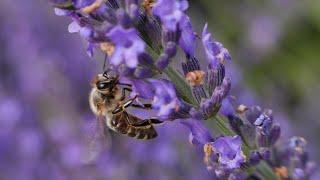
(96, 103)
(94, 81)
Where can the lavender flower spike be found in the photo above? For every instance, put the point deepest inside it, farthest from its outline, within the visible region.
(229, 150)
(128, 46)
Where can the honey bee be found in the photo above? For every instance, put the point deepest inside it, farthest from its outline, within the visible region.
(108, 101)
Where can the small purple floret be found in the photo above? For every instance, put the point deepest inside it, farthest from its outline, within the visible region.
(128, 46)
(170, 12)
(188, 37)
(165, 99)
(215, 51)
(199, 135)
(229, 150)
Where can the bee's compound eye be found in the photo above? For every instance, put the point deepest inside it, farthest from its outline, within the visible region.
(102, 85)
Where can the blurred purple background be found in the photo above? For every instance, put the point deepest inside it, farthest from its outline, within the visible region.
(44, 85)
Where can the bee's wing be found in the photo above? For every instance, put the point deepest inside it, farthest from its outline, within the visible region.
(97, 139)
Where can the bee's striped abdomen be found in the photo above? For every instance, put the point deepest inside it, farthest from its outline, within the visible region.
(120, 124)
(142, 132)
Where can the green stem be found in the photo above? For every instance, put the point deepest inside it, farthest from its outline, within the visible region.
(181, 85)
(185, 93)
(265, 170)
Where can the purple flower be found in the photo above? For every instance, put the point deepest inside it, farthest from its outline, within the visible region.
(188, 38)
(165, 100)
(163, 96)
(199, 135)
(74, 27)
(295, 156)
(163, 61)
(93, 34)
(142, 88)
(62, 12)
(67, 4)
(170, 49)
(214, 77)
(82, 3)
(264, 122)
(128, 46)
(229, 151)
(253, 113)
(211, 105)
(170, 12)
(215, 51)
(227, 107)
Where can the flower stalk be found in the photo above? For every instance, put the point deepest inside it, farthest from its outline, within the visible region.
(182, 87)
(220, 122)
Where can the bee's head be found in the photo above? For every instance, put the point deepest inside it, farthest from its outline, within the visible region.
(105, 82)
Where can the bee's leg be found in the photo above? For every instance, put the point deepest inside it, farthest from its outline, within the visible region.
(122, 107)
(147, 122)
(155, 121)
(143, 106)
(123, 95)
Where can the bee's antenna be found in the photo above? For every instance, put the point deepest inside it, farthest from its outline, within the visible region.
(106, 70)
(104, 63)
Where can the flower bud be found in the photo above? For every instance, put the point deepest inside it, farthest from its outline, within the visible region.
(253, 113)
(123, 18)
(192, 64)
(170, 49)
(162, 62)
(275, 134)
(254, 158)
(265, 153)
(215, 77)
